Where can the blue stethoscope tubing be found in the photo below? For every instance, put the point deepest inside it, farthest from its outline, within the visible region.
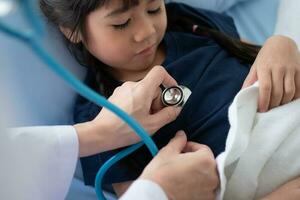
(32, 39)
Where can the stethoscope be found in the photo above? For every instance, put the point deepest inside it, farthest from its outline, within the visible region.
(173, 96)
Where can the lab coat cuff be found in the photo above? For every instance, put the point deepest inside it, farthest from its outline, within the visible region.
(69, 149)
(69, 141)
(145, 190)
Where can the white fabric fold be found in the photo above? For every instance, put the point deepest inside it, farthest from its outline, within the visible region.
(261, 149)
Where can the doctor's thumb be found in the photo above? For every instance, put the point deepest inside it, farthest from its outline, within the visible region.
(177, 144)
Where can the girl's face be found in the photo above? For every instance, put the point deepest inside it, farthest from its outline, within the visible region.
(126, 39)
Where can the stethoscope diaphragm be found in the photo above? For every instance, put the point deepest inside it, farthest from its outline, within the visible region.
(175, 95)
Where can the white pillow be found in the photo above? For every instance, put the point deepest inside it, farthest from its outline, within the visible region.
(39, 96)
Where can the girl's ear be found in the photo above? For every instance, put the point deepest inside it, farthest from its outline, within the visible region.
(75, 38)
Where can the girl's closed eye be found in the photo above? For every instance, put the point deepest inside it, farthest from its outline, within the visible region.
(122, 26)
(155, 11)
(126, 24)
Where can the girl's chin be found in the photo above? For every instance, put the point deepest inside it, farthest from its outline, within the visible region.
(145, 61)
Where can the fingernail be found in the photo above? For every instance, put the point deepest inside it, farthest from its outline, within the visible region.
(180, 133)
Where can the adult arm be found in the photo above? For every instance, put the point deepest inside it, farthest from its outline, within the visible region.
(39, 163)
(41, 160)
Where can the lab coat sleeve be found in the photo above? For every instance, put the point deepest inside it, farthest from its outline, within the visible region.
(288, 20)
(144, 190)
(39, 162)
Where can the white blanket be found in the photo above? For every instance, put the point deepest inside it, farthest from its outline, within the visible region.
(262, 149)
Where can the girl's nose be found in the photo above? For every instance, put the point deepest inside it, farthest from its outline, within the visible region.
(144, 31)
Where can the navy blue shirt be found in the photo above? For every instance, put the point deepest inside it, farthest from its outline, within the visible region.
(200, 64)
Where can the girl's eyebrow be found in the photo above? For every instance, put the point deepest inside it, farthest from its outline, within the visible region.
(117, 11)
(123, 9)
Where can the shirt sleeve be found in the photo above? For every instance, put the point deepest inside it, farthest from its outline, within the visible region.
(206, 18)
(288, 20)
(39, 162)
(144, 190)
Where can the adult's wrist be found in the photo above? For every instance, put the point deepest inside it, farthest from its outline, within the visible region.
(90, 137)
(97, 136)
(146, 189)
(159, 180)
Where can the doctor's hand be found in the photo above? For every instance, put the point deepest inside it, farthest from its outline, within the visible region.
(185, 170)
(289, 191)
(277, 68)
(142, 101)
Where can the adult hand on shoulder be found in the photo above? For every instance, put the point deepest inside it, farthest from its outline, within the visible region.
(142, 101)
(185, 170)
(289, 191)
(277, 68)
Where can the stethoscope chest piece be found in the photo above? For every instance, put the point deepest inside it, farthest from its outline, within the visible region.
(175, 96)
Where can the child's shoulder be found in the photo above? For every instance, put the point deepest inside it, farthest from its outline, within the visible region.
(186, 40)
(179, 44)
(206, 18)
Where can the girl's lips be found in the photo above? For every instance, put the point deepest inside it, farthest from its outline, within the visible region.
(147, 51)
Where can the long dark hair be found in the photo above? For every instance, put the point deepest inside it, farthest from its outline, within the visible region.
(72, 14)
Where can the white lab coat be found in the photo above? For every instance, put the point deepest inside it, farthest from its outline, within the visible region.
(39, 163)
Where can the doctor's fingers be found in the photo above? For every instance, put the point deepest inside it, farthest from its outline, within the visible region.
(126, 88)
(201, 157)
(200, 153)
(162, 117)
(194, 147)
(157, 104)
(175, 145)
(156, 77)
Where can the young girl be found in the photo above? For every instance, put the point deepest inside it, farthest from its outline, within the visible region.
(122, 40)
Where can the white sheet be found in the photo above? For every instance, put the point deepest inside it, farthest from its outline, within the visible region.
(261, 150)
